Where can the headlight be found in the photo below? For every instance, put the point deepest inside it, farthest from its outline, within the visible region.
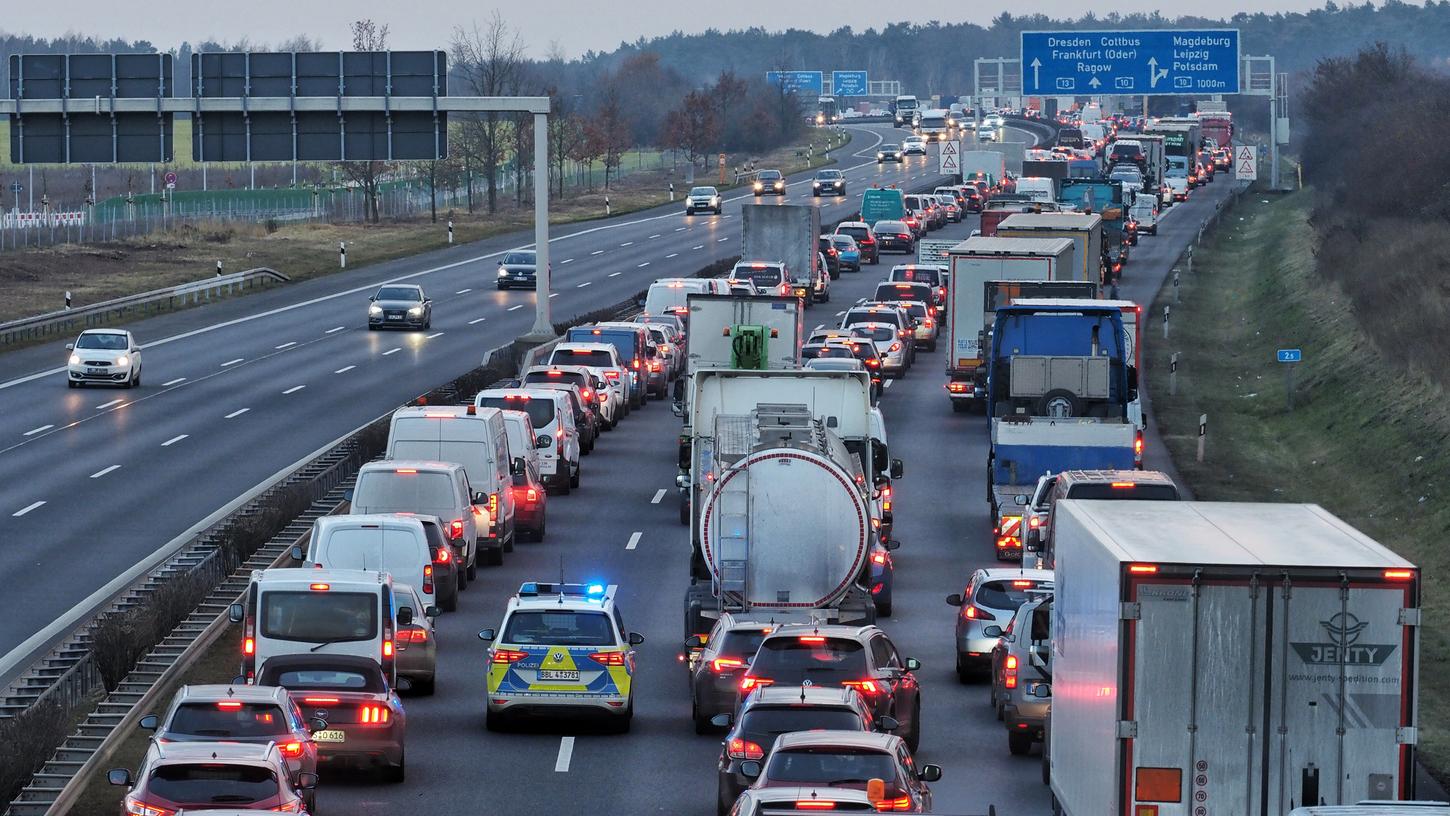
(416, 310)
(123, 360)
(715, 200)
(759, 186)
(815, 184)
(75, 359)
(880, 155)
(502, 273)
(377, 310)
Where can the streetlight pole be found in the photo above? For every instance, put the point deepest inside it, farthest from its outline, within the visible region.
(543, 329)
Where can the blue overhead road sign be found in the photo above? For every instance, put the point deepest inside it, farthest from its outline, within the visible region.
(848, 83)
(1200, 61)
(800, 82)
(1291, 355)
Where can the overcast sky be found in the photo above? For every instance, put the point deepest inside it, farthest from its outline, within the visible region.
(576, 25)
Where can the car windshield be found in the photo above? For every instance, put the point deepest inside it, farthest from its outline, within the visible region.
(318, 616)
(404, 490)
(762, 724)
(759, 275)
(213, 783)
(231, 719)
(322, 679)
(520, 258)
(830, 765)
(562, 627)
(702, 191)
(106, 341)
(399, 293)
(1124, 490)
(1126, 174)
(792, 660)
(768, 175)
(1006, 595)
(890, 147)
(540, 410)
(1176, 172)
(829, 174)
(741, 643)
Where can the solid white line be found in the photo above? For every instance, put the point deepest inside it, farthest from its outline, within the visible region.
(335, 329)
(109, 404)
(627, 243)
(286, 345)
(477, 320)
(701, 246)
(232, 362)
(634, 538)
(597, 252)
(173, 440)
(294, 389)
(103, 471)
(433, 335)
(566, 752)
(22, 511)
(643, 265)
(566, 260)
(236, 413)
(173, 382)
(344, 369)
(613, 274)
(391, 351)
(38, 430)
(584, 284)
(659, 495)
(463, 291)
(514, 308)
(671, 255)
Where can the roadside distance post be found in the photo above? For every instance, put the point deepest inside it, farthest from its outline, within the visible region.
(1173, 374)
(606, 205)
(672, 192)
(450, 230)
(1202, 433)
(218, 269)
(1175, 286)
(341, 254)
(67, 300)
(1167, 310)
(1290, 359)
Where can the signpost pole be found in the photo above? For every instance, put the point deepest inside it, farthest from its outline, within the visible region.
(543, 321)
(1289, 386)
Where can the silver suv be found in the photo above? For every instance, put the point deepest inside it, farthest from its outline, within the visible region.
(1022, 673)
(703, 199)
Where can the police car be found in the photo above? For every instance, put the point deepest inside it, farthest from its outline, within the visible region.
(562, 650)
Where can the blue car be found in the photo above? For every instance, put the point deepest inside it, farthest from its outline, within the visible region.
(848, 255)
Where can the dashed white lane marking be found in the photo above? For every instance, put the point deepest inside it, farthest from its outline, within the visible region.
(701, 246)
(392, 351)
(597, 252)
(659, 495)
(627, 243)
(614, 274)
(477, 320)
(26, 509)
(105, 405)
(231, 362)
(236, 413)
(463, 291)
(433, 335)
(566, 260)
(169, 383)
(652, 237)
(680, 229)
(294, 389)
(671, 255)
(173, 440)
(888, 383)
(566, 753)
(584, 284)
(514, 308)
(286, 345)
(103, 471)
(723, 240)
(344, 369)
(643, 265)
(553, 295)
(334, 330)
(634, 538)
(35, 431)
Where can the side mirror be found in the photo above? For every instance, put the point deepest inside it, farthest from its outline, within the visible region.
(695, 641)
(912, 664)
(993, 631)
(898, 468)
(403, 684)
(518, 466)
(317, 724)
(892, 544)
(1033, 540)
(1020, 499)
(306, 781)
(480, 497)
(70, 346)
(235, 613)
(887, 724)
(432, 612)
(930, 773)
(347, 494)
(1042, 690)
(543, 441)
(635, 638)
(954, 599)
(119, 776)
(750, 769)
(486, 635)
(297, 554)
(150, 722)
(405, 615)
(372, 298)
(721, 720)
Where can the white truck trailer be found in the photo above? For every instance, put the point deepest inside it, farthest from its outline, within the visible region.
(1230, 658)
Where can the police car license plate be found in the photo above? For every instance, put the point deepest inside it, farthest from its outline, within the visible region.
(334, 735)
(559, 674)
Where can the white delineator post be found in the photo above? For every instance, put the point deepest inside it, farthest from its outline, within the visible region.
(543, 323)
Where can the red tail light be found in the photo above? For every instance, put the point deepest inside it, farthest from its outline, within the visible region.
(815, 804)
(636, 363)
(374, 714)
(611, 374)
(1138, 449)
(531, 495)
(720, 665)
(901, 804)
(748, 683)
(413, 635)
(388, 649)
(608, 658)
(895, 347)
(1009, 676)
(493, 505)
(427, 579)
(249, 647)
(867, 241)
(957, 387)
(507, 656)
(455, 529)
(291, 750)
(739, 748)
(878, 558)
(868, 687)
(443, 556)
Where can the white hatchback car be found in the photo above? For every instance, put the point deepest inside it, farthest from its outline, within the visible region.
(913, 144)
(104, 357)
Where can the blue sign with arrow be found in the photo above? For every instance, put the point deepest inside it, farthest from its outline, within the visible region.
(848, 83)
(1291, 355)
(1130, 63)
(805, 83)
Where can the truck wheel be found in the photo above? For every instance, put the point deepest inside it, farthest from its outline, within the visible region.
(1059, 403)
(1019, 743)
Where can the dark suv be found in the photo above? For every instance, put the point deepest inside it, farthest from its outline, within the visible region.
(859, 657)
(717, 663)
(865, 239)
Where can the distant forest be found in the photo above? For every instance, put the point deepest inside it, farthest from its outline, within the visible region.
(927, 58)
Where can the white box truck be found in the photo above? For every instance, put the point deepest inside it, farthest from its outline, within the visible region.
(1232, 658)
(988, 164)
(971, 264)
(1085, 229)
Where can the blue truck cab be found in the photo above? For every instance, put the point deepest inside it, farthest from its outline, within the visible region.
(633, 348)
(1104, 197)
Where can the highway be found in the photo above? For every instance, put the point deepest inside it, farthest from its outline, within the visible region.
(662, 766)
(234, 392)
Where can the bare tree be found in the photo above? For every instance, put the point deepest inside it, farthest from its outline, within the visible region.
(367, 36)
(611, 134)
(565, 133)
(488, 60)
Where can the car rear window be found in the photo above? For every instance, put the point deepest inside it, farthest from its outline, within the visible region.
(1006, 595)
(322, 679)
(564, 627)
(553, 377)
(863, 316)
(898, 227)
(594, 358)
(540, 410)
(794, 659)
(319, 617)
(391, 491)
(854, 232)
(762, 724)
(758, 275)
(215, 782)
(830, 766)
(741, 643)
(893, 291)
(229, 719)
(874, 332)
(1123, 490)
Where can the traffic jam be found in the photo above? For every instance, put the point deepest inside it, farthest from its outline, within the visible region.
(1097, 635)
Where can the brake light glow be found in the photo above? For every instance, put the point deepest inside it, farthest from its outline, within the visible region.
(291, 750)
(812, 639)
(249, 646)
(901, 804)
(748, 683)
(1143, 569)
(1009, 675)
(388, 649)
(406, 470)
(321, 700)
(957, 388)
(135, 808)
(863, 686)
(739, 748)
(1399, 574)
(319, 587)
(720, 665)
(444, 555)
(608, 658)
(878, 558)
(229, 705)
(1138, 449)
(507, 656)
(455, 529)
(374, 714)
(532, 495)
(413, 635)
(428, 579)
(815, 804)
(493, 505)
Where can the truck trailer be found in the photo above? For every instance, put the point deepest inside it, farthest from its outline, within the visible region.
(1086, 230)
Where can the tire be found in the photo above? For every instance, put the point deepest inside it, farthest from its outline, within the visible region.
(689, 212)
(71, 384)
(1046, 762)
(685, 513)
(508, 543)
(473, 570)
(1001, 712)
(964, 672)
(492, 557)
(1059, 402)
(566, 486)
(493, 720)
(371, 327)
(574, 477)
(542, 531)
(624, 721)
(462, 576)
(397, 773)
(992, 691)
(914, 740)
(134, 380)
(449, 602)
(719, 210)
(1019, 743)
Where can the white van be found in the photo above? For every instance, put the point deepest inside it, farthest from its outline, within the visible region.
(667, 295)
(553, 418)
(427, 488)
(472, 437)
(322, 611)
(386, 542)
(1037, 188)
(603, 358)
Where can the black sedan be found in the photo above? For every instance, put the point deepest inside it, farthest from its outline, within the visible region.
(517, 269)
(403, 306)
(828, 182)
(895, 235)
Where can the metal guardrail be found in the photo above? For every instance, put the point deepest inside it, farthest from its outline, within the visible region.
(68, 321)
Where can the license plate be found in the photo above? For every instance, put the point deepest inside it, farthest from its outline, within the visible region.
(334, 735)
(559, 675)
(96, 371)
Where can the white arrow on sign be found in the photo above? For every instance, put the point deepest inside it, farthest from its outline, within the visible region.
(1094, 82)
(1154, 74)
(1036, 68)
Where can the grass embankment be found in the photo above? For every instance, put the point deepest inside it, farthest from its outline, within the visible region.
(35, 281)
(1366, 439)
